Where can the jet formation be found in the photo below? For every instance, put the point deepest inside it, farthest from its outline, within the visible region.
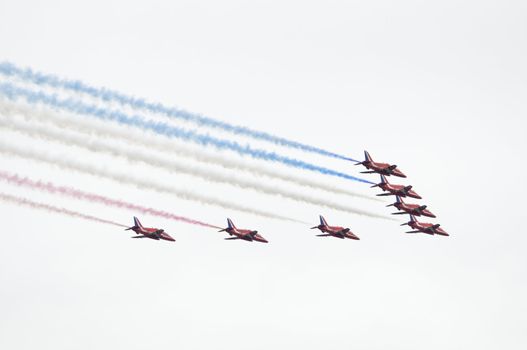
(383, 169)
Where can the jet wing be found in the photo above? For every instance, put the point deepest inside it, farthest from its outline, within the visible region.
(324, 235)
(231, 238)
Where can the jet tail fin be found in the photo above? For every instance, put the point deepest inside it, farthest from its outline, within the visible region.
(137, 223)
(230, 224)
(367, 157)
(323, 221)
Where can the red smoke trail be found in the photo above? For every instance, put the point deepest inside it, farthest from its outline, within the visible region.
(36, 205)
(78, 194)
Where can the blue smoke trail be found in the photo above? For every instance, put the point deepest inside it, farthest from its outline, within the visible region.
(9, 69)
(13, 92)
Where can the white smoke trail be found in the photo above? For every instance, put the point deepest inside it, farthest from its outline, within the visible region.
(170, 164)
(139, 182)
(162, 144)
(76, 106)
(138, 104)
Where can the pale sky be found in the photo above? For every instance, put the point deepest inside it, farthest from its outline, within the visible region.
(437, 88)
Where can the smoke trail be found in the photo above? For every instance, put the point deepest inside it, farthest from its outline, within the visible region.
(81, 195)
(170, 164)
(139, 182)
(163, 145)
(28, 203)
(75, 106)
(104, 94)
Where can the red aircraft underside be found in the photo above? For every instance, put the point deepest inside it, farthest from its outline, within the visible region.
(379, 168)
(424, 227)
(149, 232)
(413, 209)
(246, 235)
(396, 190)
(334, 231)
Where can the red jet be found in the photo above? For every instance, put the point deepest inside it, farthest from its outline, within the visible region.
(379, 168)
(147, 232)
(397, 190)
(413, 209)
(334, 231)
(424, 227)
(247, 235)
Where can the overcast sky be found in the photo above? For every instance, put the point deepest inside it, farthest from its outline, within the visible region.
(437, 88)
